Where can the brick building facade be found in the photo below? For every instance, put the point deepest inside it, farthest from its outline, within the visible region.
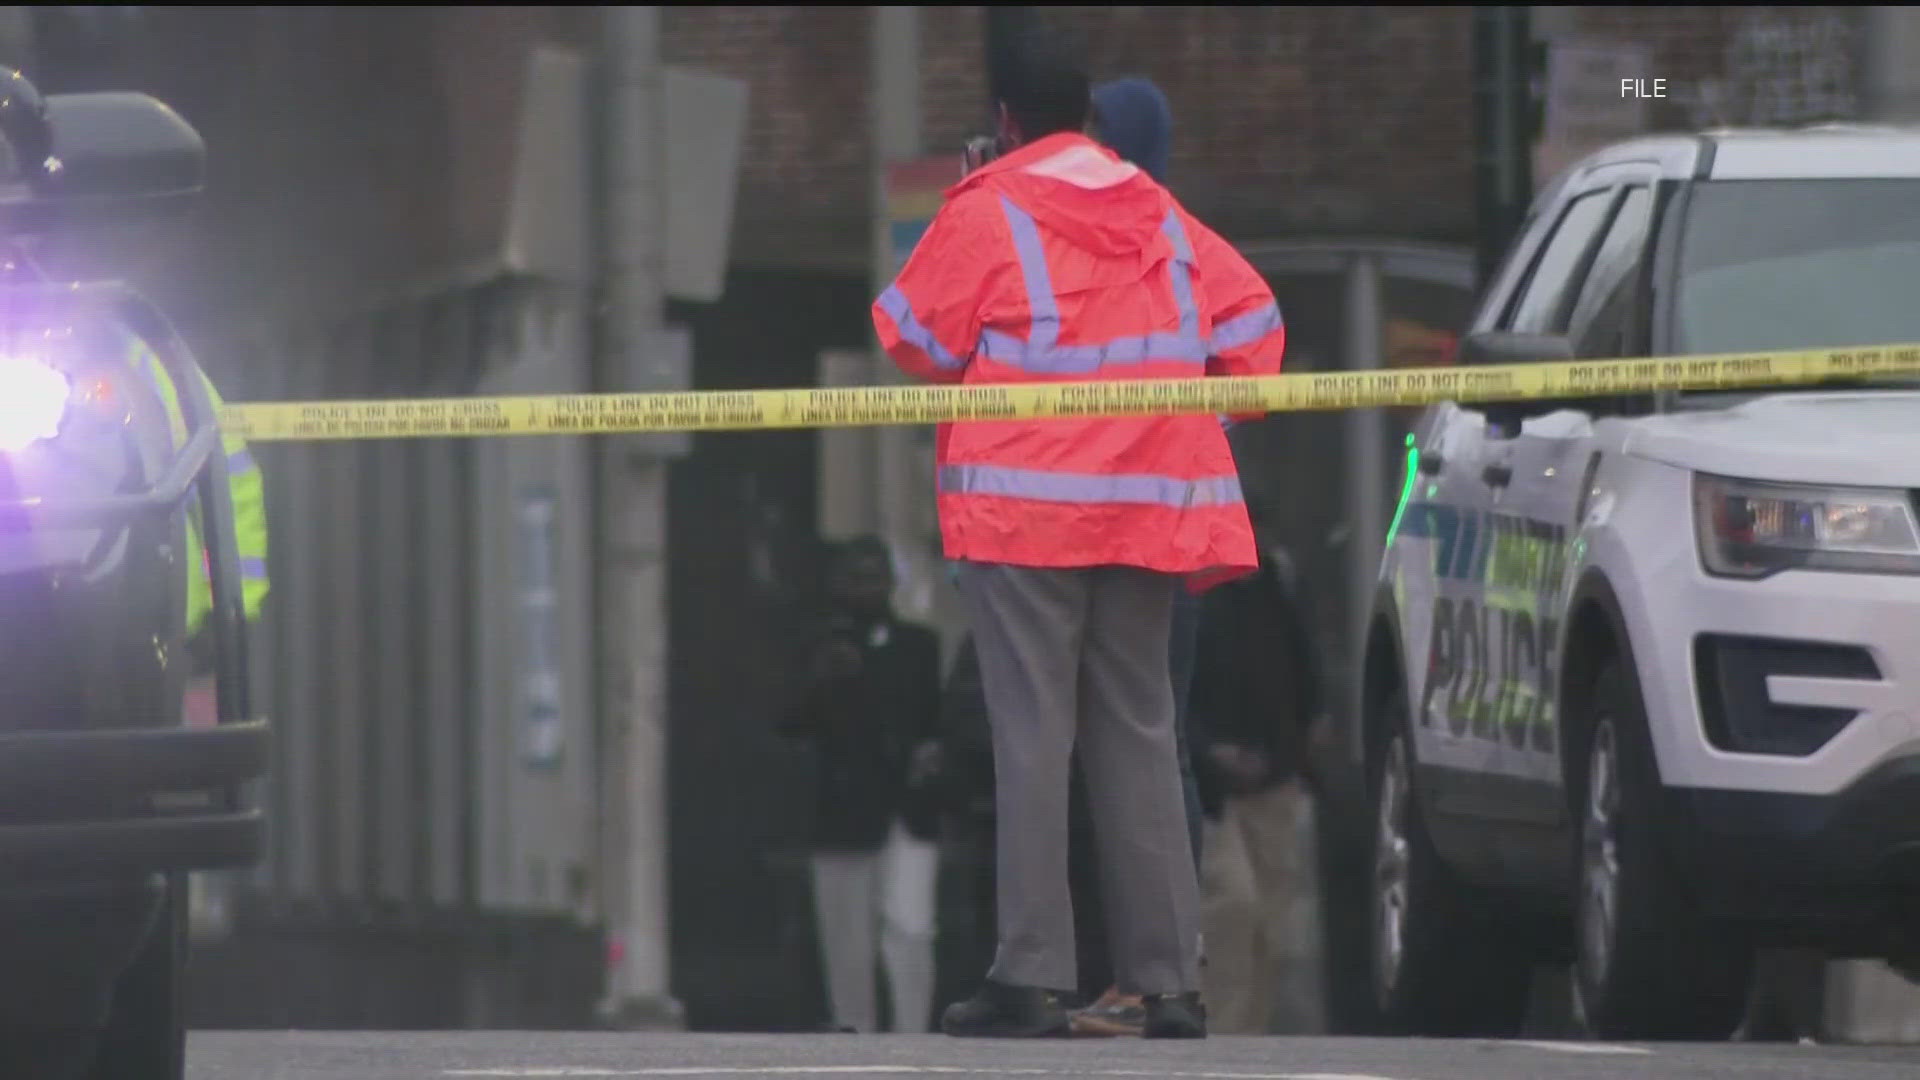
(375, 144)
(1289, 120)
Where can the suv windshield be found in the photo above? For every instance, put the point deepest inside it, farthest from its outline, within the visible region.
(1799, 264)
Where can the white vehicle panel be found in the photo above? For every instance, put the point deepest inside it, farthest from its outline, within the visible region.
(1641, 536)
(1477, 576)
(1549, 461)
(1782, 707)
(1853, 439)
(1816, 155)
(1637, 529)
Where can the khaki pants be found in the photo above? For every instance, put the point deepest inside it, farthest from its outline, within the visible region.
(1259, 910)
(890, 893)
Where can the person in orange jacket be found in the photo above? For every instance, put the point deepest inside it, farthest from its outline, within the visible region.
(1058, 262)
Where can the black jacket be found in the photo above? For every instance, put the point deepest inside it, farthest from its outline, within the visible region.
(968, 776)
(863, 730)
(1256, 680)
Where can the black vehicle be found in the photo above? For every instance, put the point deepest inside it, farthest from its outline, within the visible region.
(106, 799)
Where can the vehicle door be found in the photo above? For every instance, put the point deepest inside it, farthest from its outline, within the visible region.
(1429, 566)
(1538, 477)
(1468, 659)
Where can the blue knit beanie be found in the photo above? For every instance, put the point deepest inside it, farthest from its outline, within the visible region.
(1134, 120)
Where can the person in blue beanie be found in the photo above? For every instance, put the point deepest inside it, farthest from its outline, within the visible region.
(1133, 119)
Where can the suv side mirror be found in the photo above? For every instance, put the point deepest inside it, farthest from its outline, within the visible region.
(1487, 347)
(1507, 347)
(85, 157)
(121, 146)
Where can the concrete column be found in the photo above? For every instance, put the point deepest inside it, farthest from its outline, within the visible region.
(632, 556)
(1367, 482)
(1892, 75)
(900, 472)
(848, 501)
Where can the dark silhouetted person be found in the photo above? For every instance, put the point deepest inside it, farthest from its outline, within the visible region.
(871, 709)
(1257, 701)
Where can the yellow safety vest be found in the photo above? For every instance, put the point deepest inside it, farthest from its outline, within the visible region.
(249, 503)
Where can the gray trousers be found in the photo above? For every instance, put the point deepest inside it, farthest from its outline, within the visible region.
(1082, 654)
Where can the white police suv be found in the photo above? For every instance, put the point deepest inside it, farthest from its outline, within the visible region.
(1642, 678)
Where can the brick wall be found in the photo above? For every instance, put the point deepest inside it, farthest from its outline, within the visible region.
(374, 147)
(1288, 120)
(953, 78)
(1304, 119)
(1741, 65)
(804, 186)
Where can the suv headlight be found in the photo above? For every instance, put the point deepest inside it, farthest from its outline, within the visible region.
(1750, 529)
(33, 401)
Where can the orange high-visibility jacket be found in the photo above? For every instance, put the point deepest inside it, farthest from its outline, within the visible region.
(1061, 263)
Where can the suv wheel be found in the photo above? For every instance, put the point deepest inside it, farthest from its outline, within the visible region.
(146, 1035)
(1647, 964)
(1439, 966)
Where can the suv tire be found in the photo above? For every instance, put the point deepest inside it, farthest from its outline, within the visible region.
(1438, 964)
(146, 1035)
(1647, 964)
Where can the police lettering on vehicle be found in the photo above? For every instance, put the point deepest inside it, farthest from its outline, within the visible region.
(1490, 649)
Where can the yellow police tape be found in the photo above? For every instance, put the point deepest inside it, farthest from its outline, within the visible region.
(747, 410)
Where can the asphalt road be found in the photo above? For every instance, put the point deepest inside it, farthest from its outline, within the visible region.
(507, 1055)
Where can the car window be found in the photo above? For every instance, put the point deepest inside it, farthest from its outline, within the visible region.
(1798, 264)
(1543, 299)
(1603, 320)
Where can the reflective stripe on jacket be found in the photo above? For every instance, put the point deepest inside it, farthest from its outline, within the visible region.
(249, 502)
(1061, 263)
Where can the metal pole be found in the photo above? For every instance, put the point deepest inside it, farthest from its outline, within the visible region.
(1366, 490)
(1506, 130)
(632, 557)
(1503, 149)
(903, 483)
(896, 112)
(1891, 63)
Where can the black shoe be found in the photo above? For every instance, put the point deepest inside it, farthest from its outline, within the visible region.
(1175, 1016)
(1000, 1011)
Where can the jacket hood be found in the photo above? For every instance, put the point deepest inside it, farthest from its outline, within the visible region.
(1136, 121)
(1083, 193)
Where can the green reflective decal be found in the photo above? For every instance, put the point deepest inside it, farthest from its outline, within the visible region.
(1406, 489)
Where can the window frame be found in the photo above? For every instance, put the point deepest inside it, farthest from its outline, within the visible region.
(1608, 195)
(1643, 250)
